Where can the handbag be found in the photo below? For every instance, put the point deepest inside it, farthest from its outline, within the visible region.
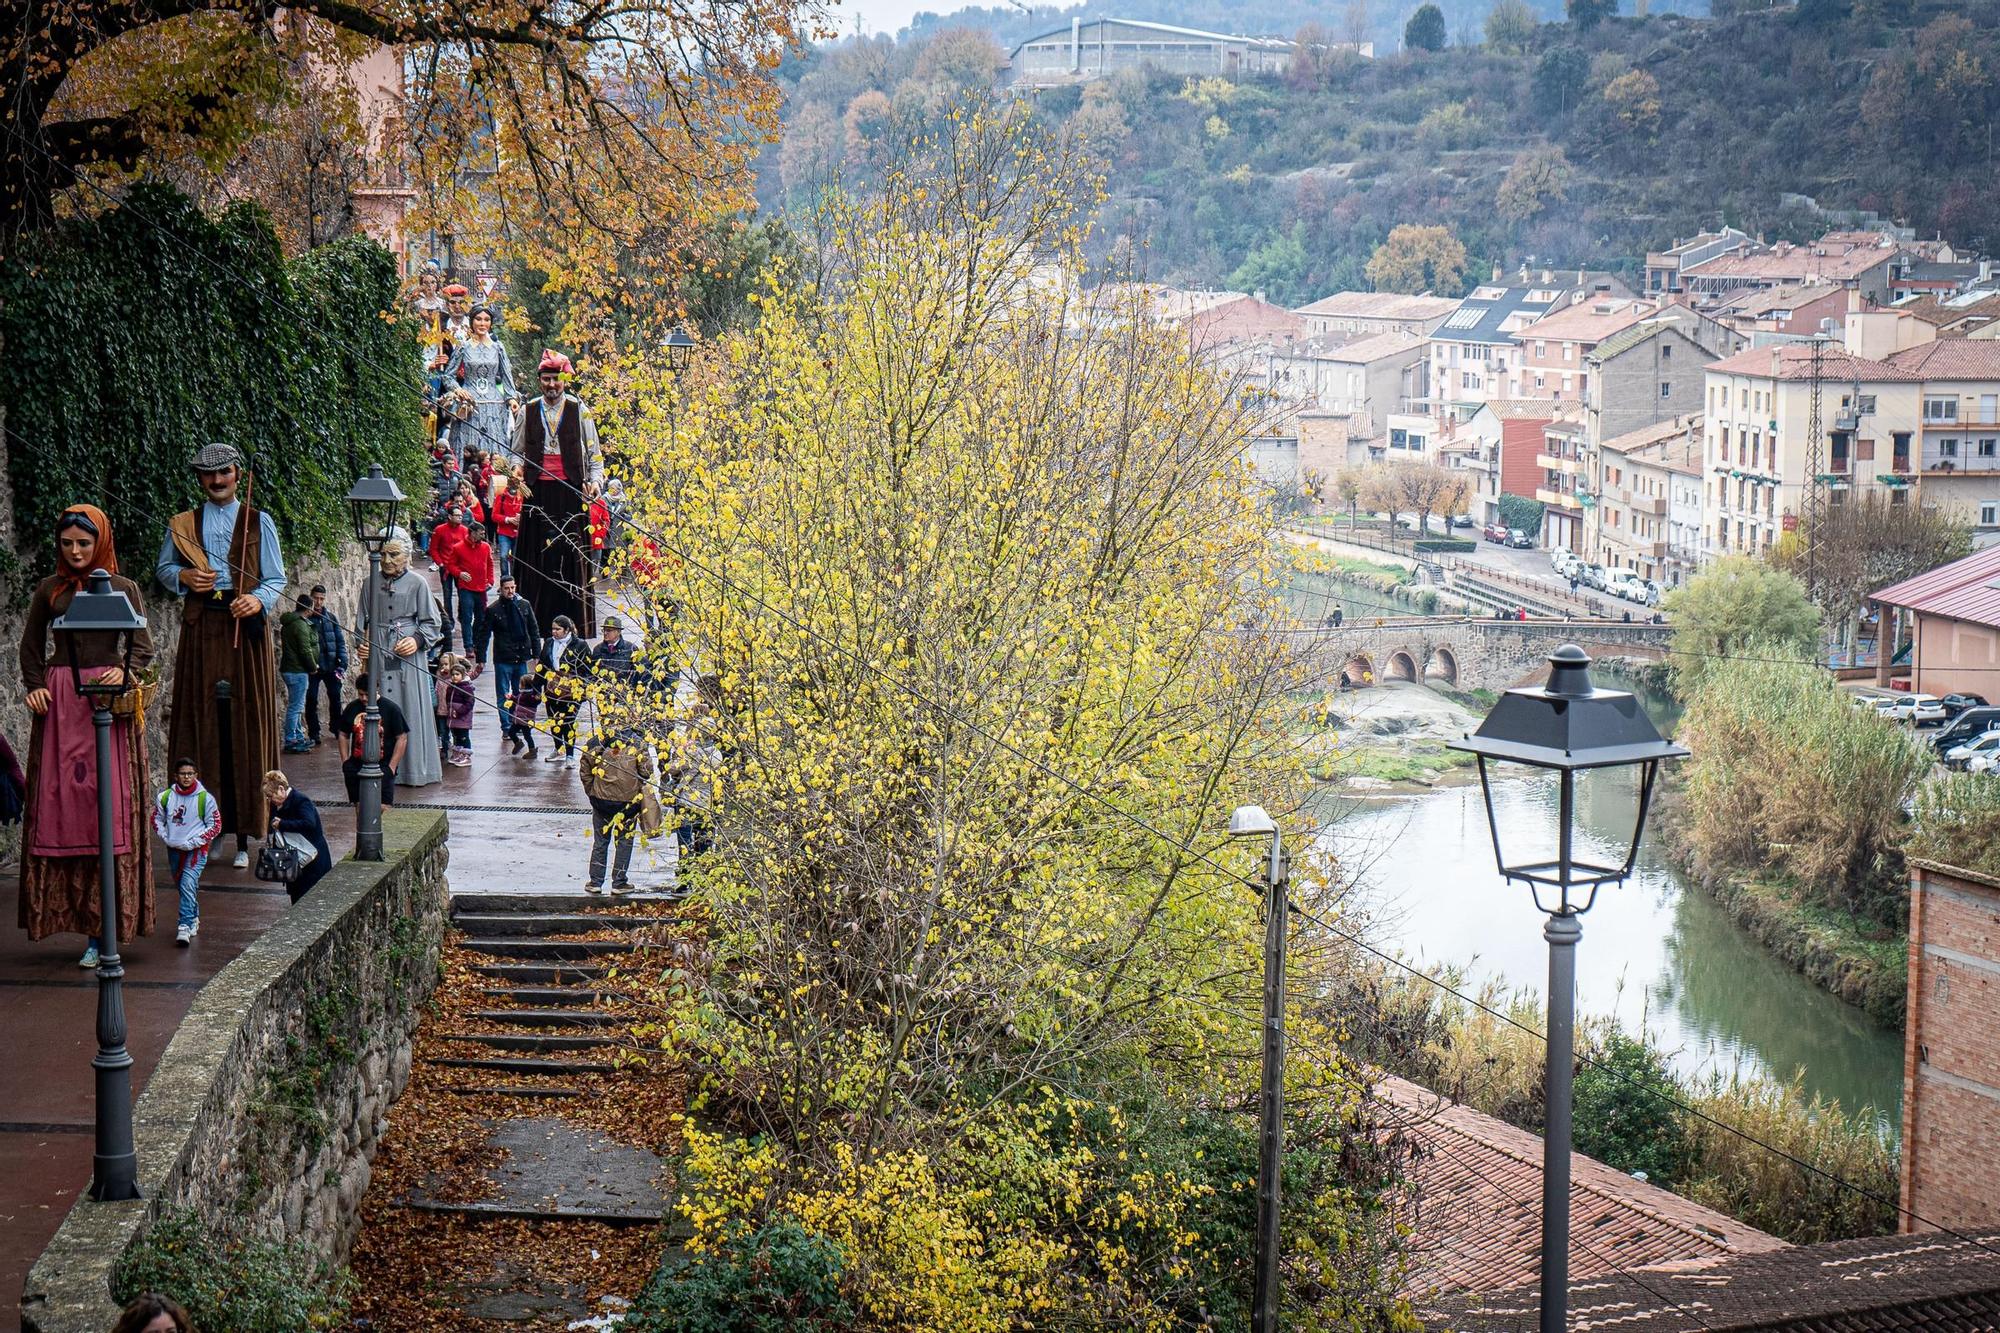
(651, 818)
(280, 863)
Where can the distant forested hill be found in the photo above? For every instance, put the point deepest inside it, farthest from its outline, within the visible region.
(1573, 147)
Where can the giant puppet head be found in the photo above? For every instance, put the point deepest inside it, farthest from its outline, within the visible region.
(220, 470)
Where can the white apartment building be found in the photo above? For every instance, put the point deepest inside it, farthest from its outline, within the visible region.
(1364, 314)
(1921, 421)
(1645, 515)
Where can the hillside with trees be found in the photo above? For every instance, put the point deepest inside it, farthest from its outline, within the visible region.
(1579, 143)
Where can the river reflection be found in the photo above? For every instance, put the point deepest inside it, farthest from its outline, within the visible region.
(1656, 953)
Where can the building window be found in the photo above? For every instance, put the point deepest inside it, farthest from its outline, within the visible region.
(1987, 447)
(1867, 405)
(1989, 513)
(1666, 391)
(1666, 352)
(1941, 409)
(1948, 447)
(1864, 451)
(1541, 348)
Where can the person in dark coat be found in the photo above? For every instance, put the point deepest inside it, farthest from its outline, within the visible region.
(295, 816)
(517, 641)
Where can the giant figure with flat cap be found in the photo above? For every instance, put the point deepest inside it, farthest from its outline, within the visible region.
(222, 560)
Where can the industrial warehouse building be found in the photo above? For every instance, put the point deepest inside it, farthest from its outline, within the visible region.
(1090, 49)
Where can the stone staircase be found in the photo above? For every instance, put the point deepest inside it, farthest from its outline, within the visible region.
(521, 1058)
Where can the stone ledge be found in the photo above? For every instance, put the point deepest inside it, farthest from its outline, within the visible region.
(192, 1125)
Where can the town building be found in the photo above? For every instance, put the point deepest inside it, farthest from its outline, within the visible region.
(1090, 49)
(1789, 311)
(1362, 314)
(1369, 377)
(1663, 267)
(1974, 314)
(1864, 262)
(1651, 371)
(1631, 520)
(1512, 432)
(1919, 421)
(1548, 360)
(1472, 352)
(1564, 488)
(1951, 1032)
(1948, 619)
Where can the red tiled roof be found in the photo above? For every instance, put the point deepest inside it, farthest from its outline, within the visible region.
(1926, 1282)
(1951, 359)
(1792, 264)
(1967, 589)
(1793, 361)
(1477, 1191)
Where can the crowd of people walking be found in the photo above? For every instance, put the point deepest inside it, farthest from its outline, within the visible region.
(515, 540)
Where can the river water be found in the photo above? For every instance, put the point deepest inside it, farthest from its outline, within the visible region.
(1657, 953)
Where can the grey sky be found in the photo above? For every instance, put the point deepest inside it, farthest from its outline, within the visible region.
(886, 15)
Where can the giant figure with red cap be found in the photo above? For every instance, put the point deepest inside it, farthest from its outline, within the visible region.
(222, 560)
(556, 442)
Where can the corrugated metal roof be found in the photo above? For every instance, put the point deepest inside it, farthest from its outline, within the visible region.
(1967, 589)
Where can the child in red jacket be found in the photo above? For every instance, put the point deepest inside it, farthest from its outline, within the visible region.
(506, 511)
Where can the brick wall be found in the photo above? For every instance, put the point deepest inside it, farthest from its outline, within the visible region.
(1951, 1051)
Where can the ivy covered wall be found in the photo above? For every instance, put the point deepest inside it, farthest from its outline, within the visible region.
(130, 339)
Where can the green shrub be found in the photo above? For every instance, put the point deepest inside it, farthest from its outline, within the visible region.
(780, 1279)
(1788, 776)
(1519, 511)
(1434, 545)
(231, 1285)
(1625, 1112)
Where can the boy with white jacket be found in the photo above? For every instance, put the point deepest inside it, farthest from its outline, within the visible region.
(187, 819)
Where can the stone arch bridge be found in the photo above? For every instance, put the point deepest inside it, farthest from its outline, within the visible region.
(1469, 652)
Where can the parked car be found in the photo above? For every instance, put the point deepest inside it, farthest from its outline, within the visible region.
(1461, 521)
(1985, 743)
(1493, 532)
(1984, 763)
(1964, 727)
(1557, 555)
(1624, 583)
(1954, 704)
(1591, 576)
(1564, 562)
(1520, 540)
(1918, 709)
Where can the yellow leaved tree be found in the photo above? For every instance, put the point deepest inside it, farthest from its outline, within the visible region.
(978, 585)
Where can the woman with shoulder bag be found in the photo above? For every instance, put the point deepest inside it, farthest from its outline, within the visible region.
(295, 831)
(563, 662)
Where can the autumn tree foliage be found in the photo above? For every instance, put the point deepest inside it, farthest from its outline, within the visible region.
(979, 577)
(1418, 259)
(582, 140)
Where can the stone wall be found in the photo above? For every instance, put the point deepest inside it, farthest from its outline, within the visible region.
(265, 1110)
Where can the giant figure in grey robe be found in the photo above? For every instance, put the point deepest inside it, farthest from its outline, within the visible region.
(401, 631)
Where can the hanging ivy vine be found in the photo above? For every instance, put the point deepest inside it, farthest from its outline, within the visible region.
(133, 338)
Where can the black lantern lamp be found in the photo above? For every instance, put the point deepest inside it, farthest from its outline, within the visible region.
(679, 347)
(1566, 725)
(375, 503)
(1569, 725)
(103, 610)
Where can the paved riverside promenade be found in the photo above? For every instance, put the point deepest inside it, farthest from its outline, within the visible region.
(515, 826)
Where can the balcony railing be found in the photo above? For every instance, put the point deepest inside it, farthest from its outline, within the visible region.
(1569, 467)
(1963, 419)
(1647, 504)
(1560, 499)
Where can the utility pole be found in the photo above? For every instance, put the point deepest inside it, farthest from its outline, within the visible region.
(1814, 508)
(1270, 1118)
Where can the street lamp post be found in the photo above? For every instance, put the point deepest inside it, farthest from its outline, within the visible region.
(373, 502)
(1567, 726)
(114, 1168)
(1250, 821)
(679, 346)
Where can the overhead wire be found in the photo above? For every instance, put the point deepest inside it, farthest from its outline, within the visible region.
(1182, 846)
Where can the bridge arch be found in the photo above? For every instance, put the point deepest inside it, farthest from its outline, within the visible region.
(1358, 671)
(1443, 665)
(1403, 666)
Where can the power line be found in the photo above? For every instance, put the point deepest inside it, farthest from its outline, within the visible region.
(1181, 845)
